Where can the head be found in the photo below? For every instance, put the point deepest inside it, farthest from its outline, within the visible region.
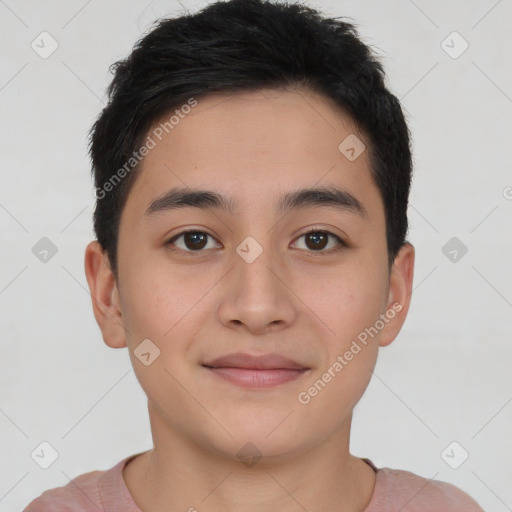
(266, 122)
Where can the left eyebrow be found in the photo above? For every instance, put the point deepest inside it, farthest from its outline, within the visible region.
(323, 196)
(307, 197)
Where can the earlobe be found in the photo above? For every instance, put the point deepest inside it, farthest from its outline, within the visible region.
(104, 295)
(400, 290)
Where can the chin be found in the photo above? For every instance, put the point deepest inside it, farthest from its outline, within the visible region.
(264, 438)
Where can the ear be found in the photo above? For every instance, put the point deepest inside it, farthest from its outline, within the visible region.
(105, 295)
(400, 290)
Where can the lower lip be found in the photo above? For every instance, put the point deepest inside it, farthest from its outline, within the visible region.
(249, 378)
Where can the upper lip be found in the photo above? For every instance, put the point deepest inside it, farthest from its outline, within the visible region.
(263, 362)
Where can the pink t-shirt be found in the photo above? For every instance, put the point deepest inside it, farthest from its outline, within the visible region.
(395, 490)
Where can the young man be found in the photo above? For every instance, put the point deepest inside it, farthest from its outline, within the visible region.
(252, 174)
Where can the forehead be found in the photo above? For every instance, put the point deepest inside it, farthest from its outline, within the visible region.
(253, 146)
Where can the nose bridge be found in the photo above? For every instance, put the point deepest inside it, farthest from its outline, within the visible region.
(253, 264)
(257, 295)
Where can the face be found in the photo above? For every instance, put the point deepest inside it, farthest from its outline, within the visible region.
(268, 268)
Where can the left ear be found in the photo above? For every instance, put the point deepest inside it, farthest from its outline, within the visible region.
(400, 290)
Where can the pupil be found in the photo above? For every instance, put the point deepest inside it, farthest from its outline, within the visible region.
(319, 237)
(195, 238)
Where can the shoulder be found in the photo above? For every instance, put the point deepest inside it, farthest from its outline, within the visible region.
(396, 489)
(81, 493)
(84, 493)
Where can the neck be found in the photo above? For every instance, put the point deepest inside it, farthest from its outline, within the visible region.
(180, 475)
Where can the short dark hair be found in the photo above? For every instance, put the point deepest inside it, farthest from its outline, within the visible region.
(237, 46)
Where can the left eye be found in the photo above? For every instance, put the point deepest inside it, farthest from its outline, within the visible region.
(317, 240)
(196, 241)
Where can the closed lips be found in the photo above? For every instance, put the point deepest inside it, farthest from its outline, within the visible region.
(262, 362)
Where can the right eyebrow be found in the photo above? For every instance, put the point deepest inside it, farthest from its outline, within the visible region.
(183, 197)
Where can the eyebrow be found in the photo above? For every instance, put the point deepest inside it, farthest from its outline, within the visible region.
(333, 197)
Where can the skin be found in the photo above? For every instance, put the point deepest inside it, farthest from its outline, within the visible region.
(300, 302)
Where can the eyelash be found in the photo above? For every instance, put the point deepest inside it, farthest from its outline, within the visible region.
(341, 243)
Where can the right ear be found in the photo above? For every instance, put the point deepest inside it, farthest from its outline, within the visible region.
(106, 302)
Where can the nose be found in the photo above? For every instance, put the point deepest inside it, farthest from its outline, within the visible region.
(257, 296)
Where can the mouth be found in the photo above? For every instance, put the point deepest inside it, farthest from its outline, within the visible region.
(250, 371)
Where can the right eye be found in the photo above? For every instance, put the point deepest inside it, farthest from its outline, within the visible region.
(193, 240)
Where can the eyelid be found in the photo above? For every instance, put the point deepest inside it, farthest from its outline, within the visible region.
(170, 241)
(342, 243)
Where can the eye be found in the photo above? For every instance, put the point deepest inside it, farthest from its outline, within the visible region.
(193, 240)
(317, 240)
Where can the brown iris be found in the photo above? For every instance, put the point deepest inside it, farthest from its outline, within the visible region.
(195, 240)
(319, 239)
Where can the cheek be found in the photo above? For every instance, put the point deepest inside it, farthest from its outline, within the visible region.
(161, 309)
(160, 300)
(346, 302)
(350, 307)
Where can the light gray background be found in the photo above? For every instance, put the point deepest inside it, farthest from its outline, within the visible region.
(447, 377)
